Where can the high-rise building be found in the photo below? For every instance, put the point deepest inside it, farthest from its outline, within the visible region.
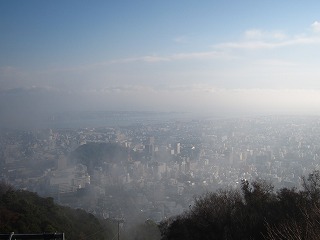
(177, 150)
(149, 147)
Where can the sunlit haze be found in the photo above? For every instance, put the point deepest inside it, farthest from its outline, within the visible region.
(204, 57)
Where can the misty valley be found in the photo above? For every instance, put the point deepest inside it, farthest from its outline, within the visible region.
(154, 171)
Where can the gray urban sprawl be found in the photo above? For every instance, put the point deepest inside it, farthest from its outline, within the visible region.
(177, 161)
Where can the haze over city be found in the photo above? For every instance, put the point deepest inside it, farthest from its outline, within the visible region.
(160, 119)
(202, 57)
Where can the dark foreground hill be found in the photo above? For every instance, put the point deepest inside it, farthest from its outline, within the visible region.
(255, 212)
(26, 212)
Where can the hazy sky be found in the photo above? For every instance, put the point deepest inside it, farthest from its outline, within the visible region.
(212, 56)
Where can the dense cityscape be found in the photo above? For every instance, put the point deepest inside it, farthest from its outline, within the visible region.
(163, 165)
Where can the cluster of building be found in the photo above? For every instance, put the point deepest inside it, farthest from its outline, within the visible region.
(166, 165)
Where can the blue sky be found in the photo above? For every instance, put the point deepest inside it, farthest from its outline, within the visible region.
(212, 56)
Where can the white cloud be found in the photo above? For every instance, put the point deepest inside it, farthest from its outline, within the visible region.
(264, 35)
(180, 39)
(246, 45)
(172, 57)
(255, 39)
(198, 55)
(266, 44)
(113, 71)
(253, 34)
(148, 58)
(276, 63)
(278, 35)
(316, 27)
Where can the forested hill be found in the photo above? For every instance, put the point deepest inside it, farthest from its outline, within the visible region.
(26, 212)
(254, 212)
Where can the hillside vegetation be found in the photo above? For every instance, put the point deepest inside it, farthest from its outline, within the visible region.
(26, 212)
(254, 212)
